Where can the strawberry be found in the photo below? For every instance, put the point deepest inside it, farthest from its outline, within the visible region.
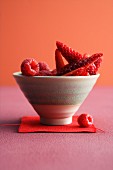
(86, 55)
(85, 62)
(30, 67)
(59, 61)
(85, 120)
(98, 63)
(82, 71)
(68, 53)
(92, 70)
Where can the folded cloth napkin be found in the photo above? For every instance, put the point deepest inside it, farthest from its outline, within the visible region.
(32, 124)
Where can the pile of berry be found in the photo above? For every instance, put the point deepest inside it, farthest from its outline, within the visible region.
(78, 64)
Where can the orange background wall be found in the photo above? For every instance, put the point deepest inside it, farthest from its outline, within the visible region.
(30, 28)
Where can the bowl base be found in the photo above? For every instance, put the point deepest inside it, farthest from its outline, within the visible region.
(62, 121)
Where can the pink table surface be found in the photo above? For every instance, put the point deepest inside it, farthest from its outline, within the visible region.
(56, 151)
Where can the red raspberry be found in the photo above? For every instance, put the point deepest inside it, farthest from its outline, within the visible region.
(43, 66)
(59, 60)
(44, 73)
(85, 120)
(68, 53)
(85, 62)
(29, 67)
(54, 72)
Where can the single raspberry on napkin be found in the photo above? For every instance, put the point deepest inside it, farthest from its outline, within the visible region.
(58, 60)
(85, 120)
(32, 124)
(68, 53)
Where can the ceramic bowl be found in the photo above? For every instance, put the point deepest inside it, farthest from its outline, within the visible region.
(55, 98)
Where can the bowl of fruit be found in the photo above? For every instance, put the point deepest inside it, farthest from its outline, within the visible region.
(57, 94)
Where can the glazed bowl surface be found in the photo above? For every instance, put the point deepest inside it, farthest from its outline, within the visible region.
(55, 98)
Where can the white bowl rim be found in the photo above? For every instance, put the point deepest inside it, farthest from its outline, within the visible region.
(19, 74)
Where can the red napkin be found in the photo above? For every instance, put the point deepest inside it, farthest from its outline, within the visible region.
(32, 124)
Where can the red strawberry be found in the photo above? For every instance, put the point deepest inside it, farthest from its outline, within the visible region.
(85, 62)
(82, 71)
(29, 67)
(98, 63)
(86, 55)
(59, 60)
(85, 120)
(93, 68)
(68, 53)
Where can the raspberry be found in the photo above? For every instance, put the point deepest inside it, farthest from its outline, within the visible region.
(85, 62)
(44, 73)
(85, 120)
(43, 66)
(29, 67)
(54, 72)
(68, 53)
(59, 60)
